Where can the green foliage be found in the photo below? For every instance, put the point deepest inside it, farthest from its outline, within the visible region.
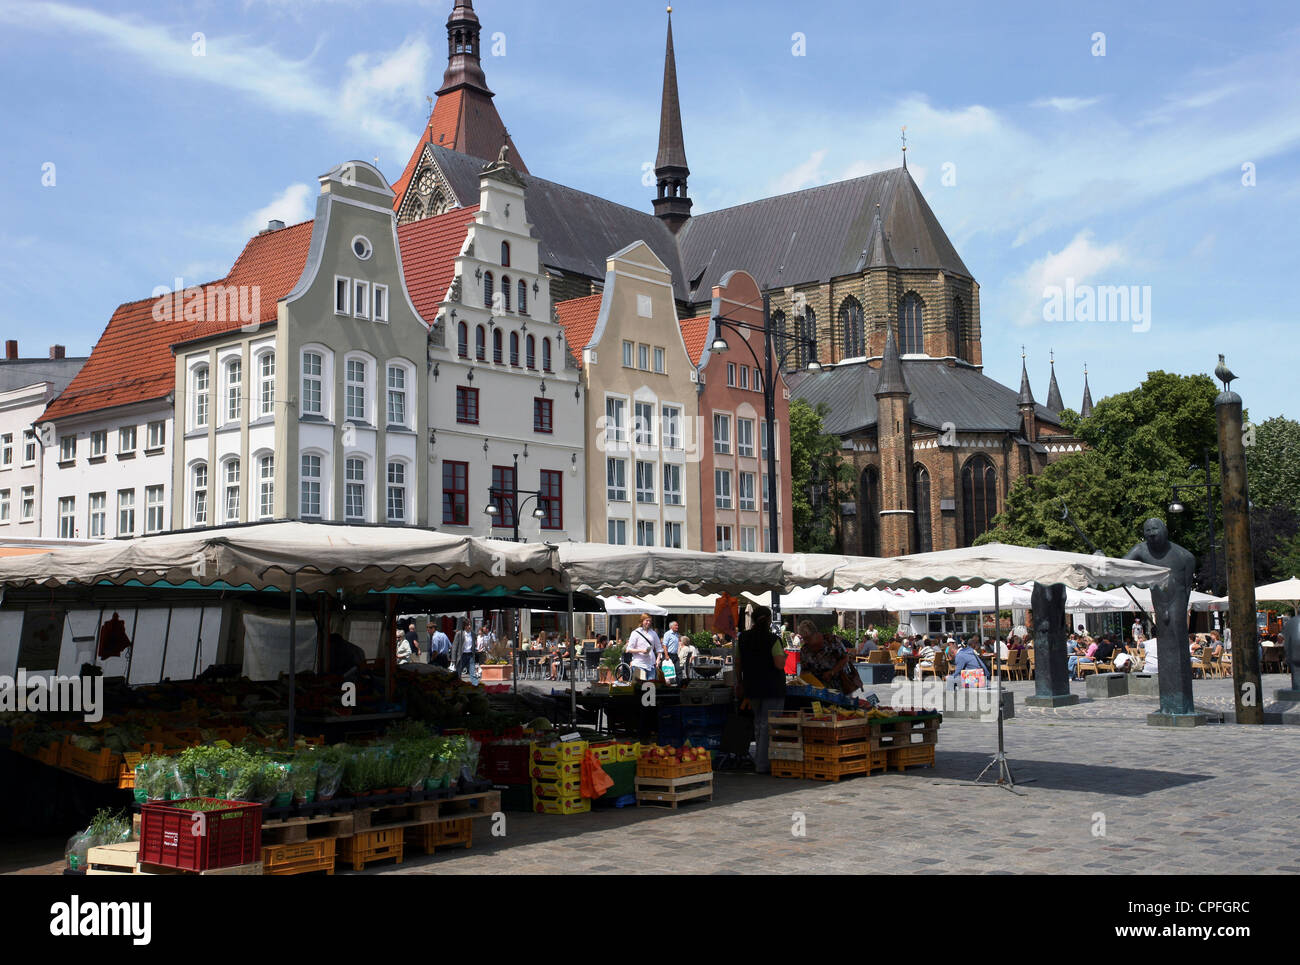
(1286, 558)
(1273, 463)
(703, 640)
(612, 656)
(816, 460)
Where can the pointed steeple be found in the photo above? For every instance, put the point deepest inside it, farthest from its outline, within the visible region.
(891, 370)
(1085, 410)
(1026, 396)
(1053, 390)
(879, 254)
(464, 66)
(672, 204)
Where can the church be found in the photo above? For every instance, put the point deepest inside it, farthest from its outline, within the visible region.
(862, 268)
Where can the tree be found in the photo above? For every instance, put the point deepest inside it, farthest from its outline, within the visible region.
(1273, 463)
(819, 480)
(1286, 558)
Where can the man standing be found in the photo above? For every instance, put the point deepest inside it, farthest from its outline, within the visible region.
(642, 646)
(439, 647)
(1169, 600)
(760, 675)
(464, 647)
(672, 641)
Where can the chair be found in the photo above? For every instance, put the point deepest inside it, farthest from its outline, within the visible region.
(878, 656)
(1019, 664)
(900, 664)
(1085, 666)
(1106, 666)
(1030, 659)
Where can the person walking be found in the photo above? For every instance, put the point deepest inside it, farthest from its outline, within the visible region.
(760, 676)
(463, 646)
(672, 644)
(479, 655)
(439, 648)
(642, 645)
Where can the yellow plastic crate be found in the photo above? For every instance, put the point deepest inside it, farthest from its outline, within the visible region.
(628, 752)
(568, 787)
(566, 751)
(555, 772)
(561, 805)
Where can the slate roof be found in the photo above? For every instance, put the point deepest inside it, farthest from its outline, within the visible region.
(17, 373)
(817, 234)
(960, 394)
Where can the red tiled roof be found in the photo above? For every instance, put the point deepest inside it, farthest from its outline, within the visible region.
(429, 249)
(695, 332)
(578, 319)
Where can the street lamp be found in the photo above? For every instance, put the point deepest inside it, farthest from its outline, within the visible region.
(1177, 507)
(780, 352)
(497, 496)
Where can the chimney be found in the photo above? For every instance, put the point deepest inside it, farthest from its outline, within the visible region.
(56, 351)
(275, 224)
(11, 349)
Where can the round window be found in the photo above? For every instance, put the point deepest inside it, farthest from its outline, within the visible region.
(361, 247)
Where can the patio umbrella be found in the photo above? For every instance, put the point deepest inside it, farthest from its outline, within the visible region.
(631, 605)
(1287, 591)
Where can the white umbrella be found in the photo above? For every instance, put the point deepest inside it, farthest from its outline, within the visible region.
(630, 606)
(678, 602)
(1287, 591)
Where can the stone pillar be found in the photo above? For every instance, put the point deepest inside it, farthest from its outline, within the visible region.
(1051, 668)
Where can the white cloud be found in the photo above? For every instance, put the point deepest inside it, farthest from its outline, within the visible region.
(292, 205)
(806, 174)
(1066, 105)
(1079, 261)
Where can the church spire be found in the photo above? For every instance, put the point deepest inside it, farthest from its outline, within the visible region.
(1054, 401)
(1085, 410)
(672, 204)
(464, 68)
(891, 380)
(1026, 396)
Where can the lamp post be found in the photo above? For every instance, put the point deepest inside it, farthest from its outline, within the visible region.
(771, 353)
(496, 497)
(1177, 507)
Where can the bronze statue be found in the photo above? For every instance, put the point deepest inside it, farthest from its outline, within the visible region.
(1291, 639)
(1169, 600)
(1051, 679)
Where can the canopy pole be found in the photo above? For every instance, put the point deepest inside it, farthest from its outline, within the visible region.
(573, 670)
(293, 649)
(1004, 776)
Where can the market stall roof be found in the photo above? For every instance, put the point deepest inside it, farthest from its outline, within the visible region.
(995, 563)
(607, 570)
(320, 556)
(679, 603)
(631, 605)
(1287, 591)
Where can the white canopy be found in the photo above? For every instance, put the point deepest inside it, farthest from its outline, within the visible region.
(1287, 591)
(619, 606)
(603, 569)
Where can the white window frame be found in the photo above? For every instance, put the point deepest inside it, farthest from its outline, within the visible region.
(350, 485)
(722, 493)
(744, 449)
(360, 298)
(67, 517)
(615, 420)
(367, 370)
(722, 433)
(265, 383)
(306, 482)
(672, 535)
(265, 485)
(29, 447)
(629, 354)
(722, 537)
(643, 430)
(672, 484)
(6, 450)
(126, 504)
(408, 383)
(156, 435)
(231, 483)
(123, 434)
(616, 532)
(5, 507)
(404, 485)
(731, 374)
(615, 480)
(342, 286)
(645, 532)
(98, 443)
(379, 296)
(316, 380)
(27, 503)
(155, 502)
(749, 539)
(200, 486)
(234, 394)
(660, 360)
(643, 357)
(68, 448)
(744, 376)
(670, 421)
(748, 501)
(645, 481)
(200, 395)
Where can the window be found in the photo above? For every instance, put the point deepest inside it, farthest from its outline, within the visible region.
(644, 425)
(455, 493)
(731, 373)
(748, 539)
(355, 391)
(266, 487)
(354, 488)
(744, 376)
(673, 535)
(342, 289)
(523, 297)
(361, 299)
(762, 438)
(672, 427)
(869, 511)
(645, 533)
(542, 417)
(157, 435)
(551, 498)
(758, 380)
(780, 339)
(7, 449)
(672, 485)
(480, 343)
(98, 445)
(616, 480)
(722, 488)
(397, 492)
(466, 405)
(381, 303)
(232, 490)
(362, 248)
(68, 448)
(530, 352)
(979, 487)
(747, 491)
(266, 384)
(489, 292)
(153, 509)
(503, 496)
(505, 292)
(496, 346)
(29, 447)
(234, 390)
(659, 360)
(546, 355)
(851, 329)
(462, 340)
(645, 482)
(921, 503)
(910, 325)
(721, 433)
(745, 437)
(199, 474)
(396, 395)
(309, 486)
(514, 349)
(643, 357)
(312, 375)
(957, 329)
(765, 485)
(505, 254)
(67, 517)
(723, 536)
(617, 532)
(628, 349)
(615, 421)
(27, 496)
(4, 505)
(199, 389)
(805, 331)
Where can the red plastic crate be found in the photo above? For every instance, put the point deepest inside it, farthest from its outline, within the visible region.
(505, 763)
(233, 835)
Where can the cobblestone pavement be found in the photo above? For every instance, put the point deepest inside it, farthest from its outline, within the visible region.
(1101, 792)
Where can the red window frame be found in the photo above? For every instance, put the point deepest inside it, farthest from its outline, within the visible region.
(543, 415)
(455, 493)
(505, 495)
(551, 489)
(466, 405)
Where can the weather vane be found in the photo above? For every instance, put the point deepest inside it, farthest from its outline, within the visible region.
(904, 135)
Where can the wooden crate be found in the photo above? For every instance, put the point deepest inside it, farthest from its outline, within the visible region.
(672, 791)
(368, 846)
(835, 731)
(786, 768)
(300, 857)
(394, 816)
(911, 755)
(877, 760)
(113, 859)
(441, 834)
(103, 765)
(834, 770)
(822, 753)
(668, 771)
(294, 830)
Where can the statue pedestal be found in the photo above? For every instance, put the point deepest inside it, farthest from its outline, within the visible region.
(1144, 685)
(1107, 685)
(1055, 700)
(1176, 720)
(1286, 695)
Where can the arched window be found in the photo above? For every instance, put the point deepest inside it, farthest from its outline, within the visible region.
(462, 340)
(810, 333)
(234, 390)
(530, 352)
(921, 534)
(514, 349)
(505, 292)
(957, 329)
(505, 254)
(200, 393)
(496, 346)
(480, 343)
(911, 340)
(851, 331)
(546, 355)
(869, 511)
(779, 340)
(523, 297)
(199, 488)
(488, 289)
(979, 496)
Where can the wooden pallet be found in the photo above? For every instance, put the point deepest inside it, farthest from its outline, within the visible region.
(123, 859)
(293, 830)
(911, 755)
(834, 770)
(782, 768)
(300, 857)
(672, 791)
(666, 771)
(367, 846)
(441, 834)
(254, 868)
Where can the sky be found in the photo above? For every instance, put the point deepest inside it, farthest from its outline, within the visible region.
(1076, 147)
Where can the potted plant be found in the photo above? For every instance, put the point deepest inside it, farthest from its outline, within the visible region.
(495, 671)
(609, 661)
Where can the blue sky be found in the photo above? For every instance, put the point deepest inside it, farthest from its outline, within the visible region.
(1122, 169)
